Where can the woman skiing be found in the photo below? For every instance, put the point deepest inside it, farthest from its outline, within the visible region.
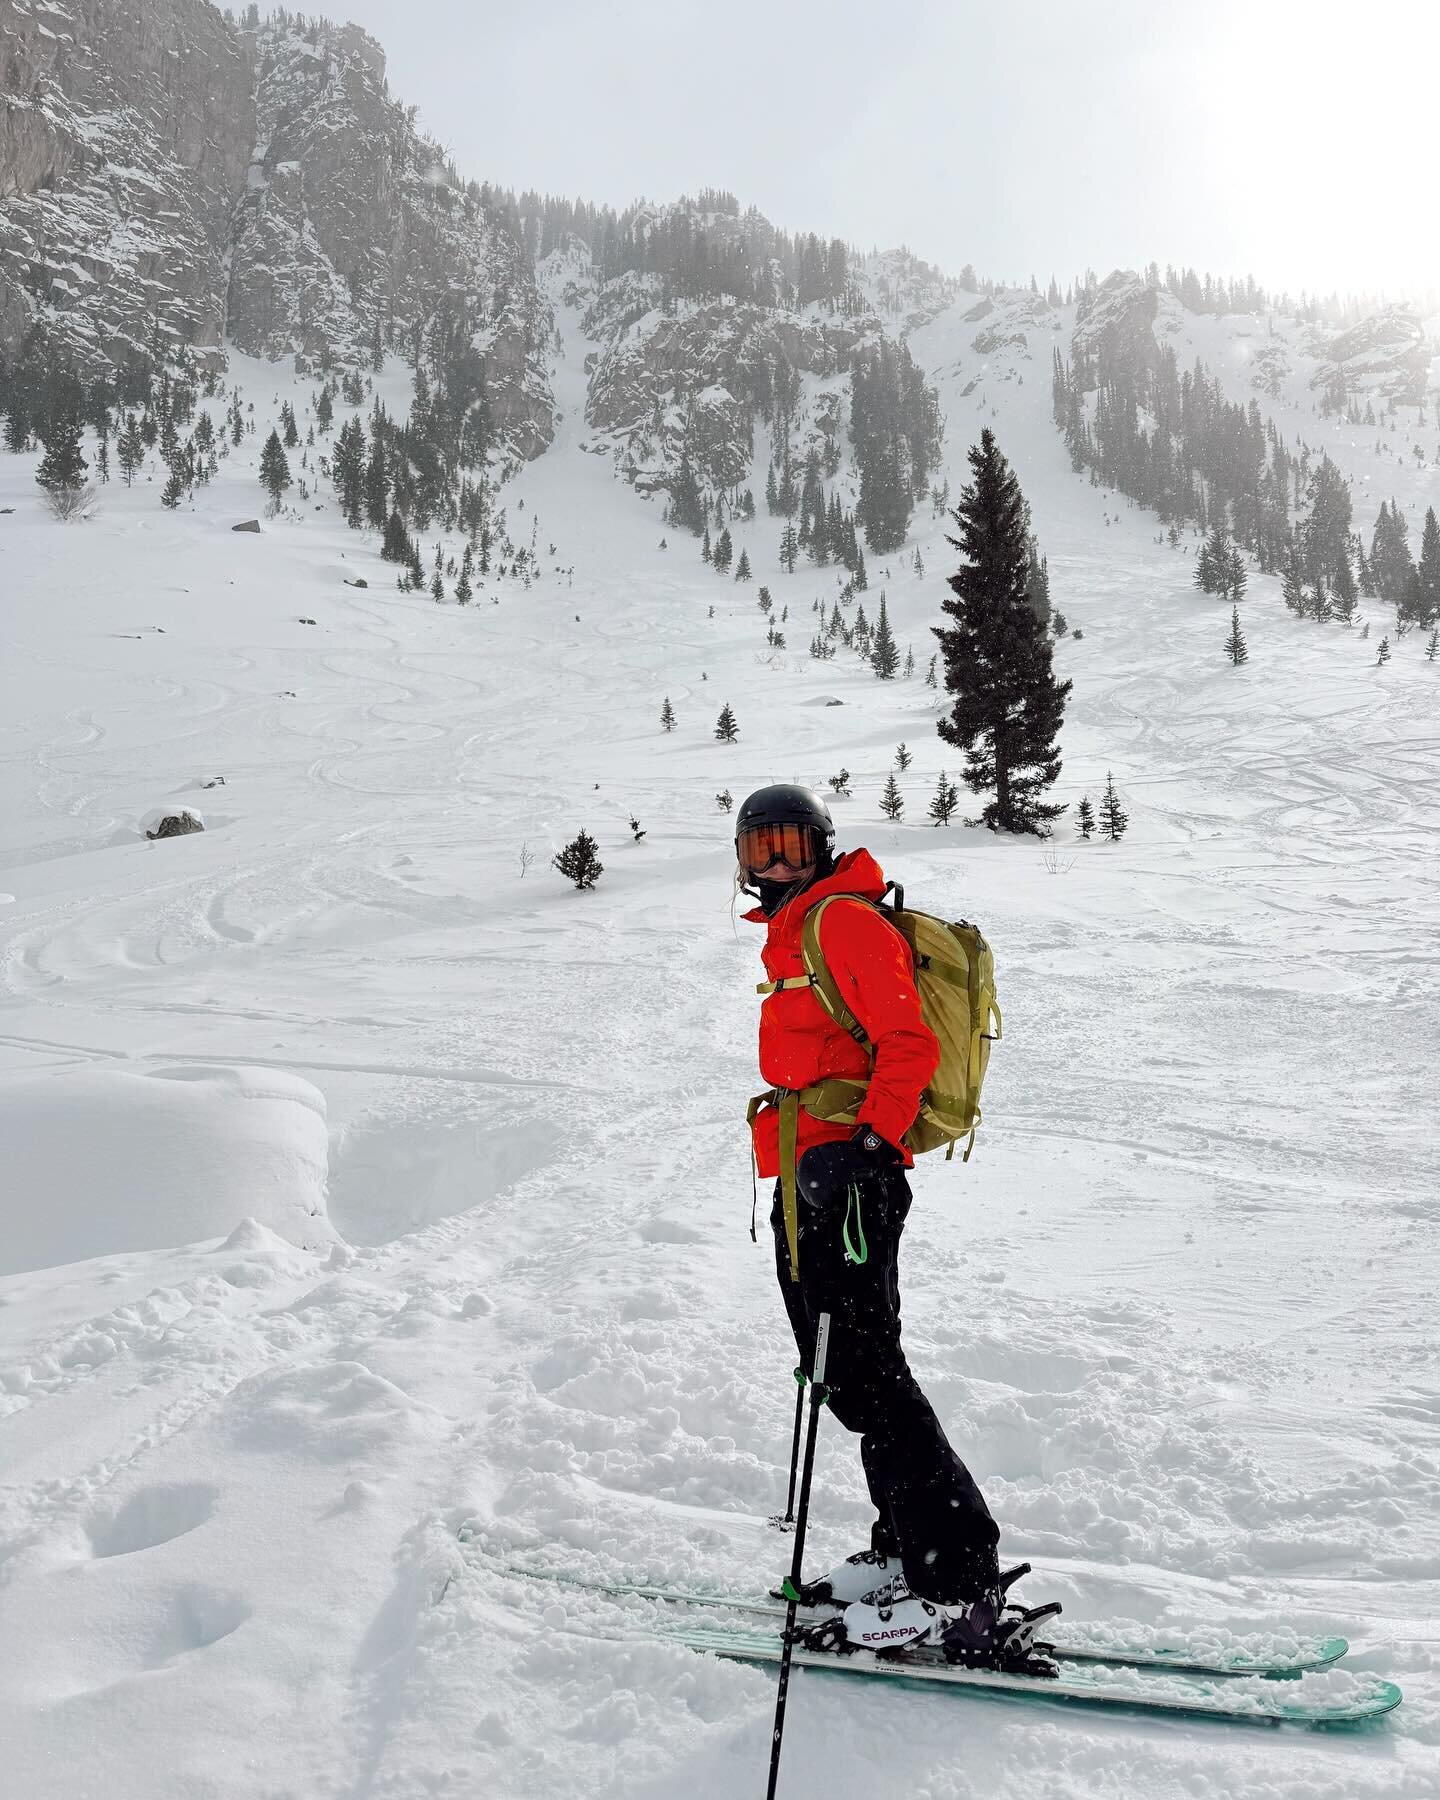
(931, 1569)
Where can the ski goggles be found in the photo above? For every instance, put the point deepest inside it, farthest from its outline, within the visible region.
(760, 847)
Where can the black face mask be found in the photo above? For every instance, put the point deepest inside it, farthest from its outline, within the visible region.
(774, 894)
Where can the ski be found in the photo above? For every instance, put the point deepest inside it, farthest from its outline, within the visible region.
(1200, 1651)
(1318, 1697)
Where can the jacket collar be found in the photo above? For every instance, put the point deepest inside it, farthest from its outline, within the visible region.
(857, 872)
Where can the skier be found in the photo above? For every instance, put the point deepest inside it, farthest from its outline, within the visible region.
(930, 1573)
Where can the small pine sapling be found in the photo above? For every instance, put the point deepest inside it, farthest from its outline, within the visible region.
(635, 829)
(1384, 655)
(892, 802)
(1235, 644)
(840, 784)
(1085, 818)
(944, 801)
(903, 758)
(726, 730)
(667, 715)
(725, 800)
(1113, 818)
(1432, 646)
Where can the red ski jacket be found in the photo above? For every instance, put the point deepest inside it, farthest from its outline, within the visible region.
(800, 1044)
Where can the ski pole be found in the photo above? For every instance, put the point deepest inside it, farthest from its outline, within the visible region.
(791, 1587)
(789, 1518)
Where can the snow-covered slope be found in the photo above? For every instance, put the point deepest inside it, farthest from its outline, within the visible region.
(1177, 1311)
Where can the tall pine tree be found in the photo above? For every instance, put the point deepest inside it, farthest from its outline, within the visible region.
(1008, 706)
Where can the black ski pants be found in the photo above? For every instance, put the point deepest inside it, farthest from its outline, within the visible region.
(929, 1509)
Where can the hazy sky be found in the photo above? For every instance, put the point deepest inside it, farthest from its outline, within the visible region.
(1292, 139)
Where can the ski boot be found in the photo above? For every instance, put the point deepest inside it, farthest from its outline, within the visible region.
(985, 1633)
(851, 1580)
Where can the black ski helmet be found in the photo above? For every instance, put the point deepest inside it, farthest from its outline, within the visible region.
(785, 803)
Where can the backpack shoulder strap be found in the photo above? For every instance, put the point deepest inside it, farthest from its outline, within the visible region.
(825, 987)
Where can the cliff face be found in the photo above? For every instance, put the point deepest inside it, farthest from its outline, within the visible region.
(167, 178)
(125, 131)
(352, 231)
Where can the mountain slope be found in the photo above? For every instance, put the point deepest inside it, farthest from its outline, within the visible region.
(1176, 1310)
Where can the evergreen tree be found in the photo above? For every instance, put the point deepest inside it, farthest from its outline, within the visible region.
(274, 470)
(1428, 571)
(725, 800)
(903, 758)
(62, 468)
(884, 657)
(726, 730)
(437, 585)
(463, 589)
(1345, 597)
(130, 449)
(1235, 643)
(930, 680)
(724, 551)
(347, 466)
(944, 801)
(789, 549)
(763, 600)
(1293, 588)
(706, 554)
(1384, 655)
(287, 421)
(742, 568)
(667, 715)
(396, 547)
(1113, 817)
(1236, 574)
(1085, 818)
(892, 802)
(1433, 644)
(1008, 706)
(324, 411)
(840, 784)
(579, 861)
(174, 490)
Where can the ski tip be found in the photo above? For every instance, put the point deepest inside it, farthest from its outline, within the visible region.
(1331, 1650)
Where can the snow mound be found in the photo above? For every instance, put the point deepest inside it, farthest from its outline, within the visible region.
(101, 1160)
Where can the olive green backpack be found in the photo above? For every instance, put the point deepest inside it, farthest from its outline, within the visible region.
(955, 978)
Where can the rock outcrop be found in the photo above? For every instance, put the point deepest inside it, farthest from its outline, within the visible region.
(125, 131)
(168, 178)
(1116, 320)
(1383, 357)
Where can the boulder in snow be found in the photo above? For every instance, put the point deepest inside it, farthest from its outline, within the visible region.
(165, 822)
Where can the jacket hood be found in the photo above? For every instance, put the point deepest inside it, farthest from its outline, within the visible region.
(857, 872)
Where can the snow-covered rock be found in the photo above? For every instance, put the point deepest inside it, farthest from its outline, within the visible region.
(1117, 319)
(1385, 355)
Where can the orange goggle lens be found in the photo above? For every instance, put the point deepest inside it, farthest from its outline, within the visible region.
(761, 846)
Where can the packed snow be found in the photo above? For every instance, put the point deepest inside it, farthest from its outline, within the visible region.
(376, 1207)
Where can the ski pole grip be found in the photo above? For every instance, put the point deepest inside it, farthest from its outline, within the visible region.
(822, 1344)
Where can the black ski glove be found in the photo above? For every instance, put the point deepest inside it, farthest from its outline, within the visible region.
(826, 1171)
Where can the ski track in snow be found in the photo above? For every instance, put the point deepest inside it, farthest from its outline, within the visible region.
(1177, 1312)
